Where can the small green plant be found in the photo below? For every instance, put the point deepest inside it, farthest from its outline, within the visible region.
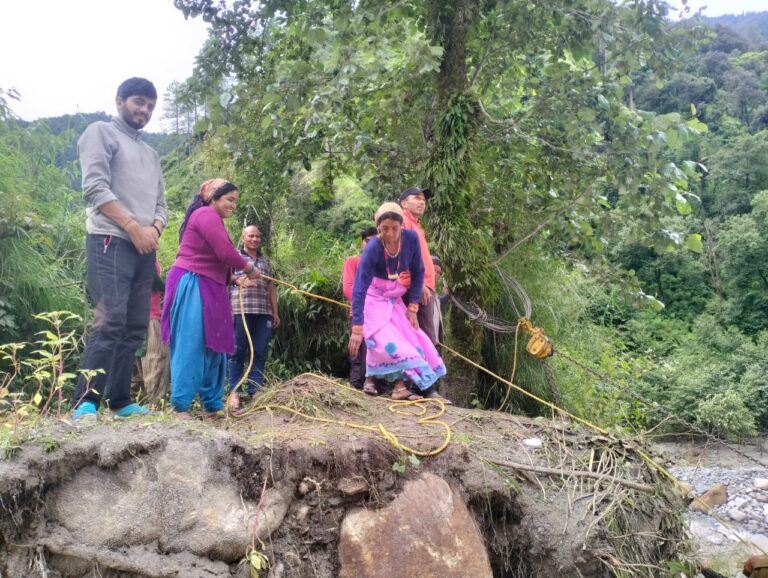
(51, 444)
(256, 561)
(475, 402)
(33, 380)
(404, 461)
(47, 368)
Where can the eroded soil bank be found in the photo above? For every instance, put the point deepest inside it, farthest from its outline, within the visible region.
(156, 497)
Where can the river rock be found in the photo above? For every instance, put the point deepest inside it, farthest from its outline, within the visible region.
(761, 483)
(179, 499)
(737, 515)
(427, 531)
(717, 495)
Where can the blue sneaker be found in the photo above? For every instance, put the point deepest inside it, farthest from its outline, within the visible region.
(86, 410)
(131, 410)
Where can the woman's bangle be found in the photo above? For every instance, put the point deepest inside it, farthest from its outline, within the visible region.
(159, 231)
(249, 271)
(413, 307)
(357, 329)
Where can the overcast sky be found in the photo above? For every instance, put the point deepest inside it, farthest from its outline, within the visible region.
(718, 7)
(68, 56)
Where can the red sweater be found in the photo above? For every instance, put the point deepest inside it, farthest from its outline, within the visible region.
(411, 224)
(348, 273)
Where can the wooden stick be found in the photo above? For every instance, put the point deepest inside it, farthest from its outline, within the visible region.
(579, 473)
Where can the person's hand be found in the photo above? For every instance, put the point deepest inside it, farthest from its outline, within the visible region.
(144, 239)
(413, 317)
(275, 321)
(255, 274)
(426, 296)
(355, 340)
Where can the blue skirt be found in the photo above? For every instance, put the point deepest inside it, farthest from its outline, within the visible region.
(195, 369)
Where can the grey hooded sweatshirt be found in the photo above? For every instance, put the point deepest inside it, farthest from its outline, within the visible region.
(118, 166)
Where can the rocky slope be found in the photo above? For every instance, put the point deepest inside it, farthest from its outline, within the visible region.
(298, 487)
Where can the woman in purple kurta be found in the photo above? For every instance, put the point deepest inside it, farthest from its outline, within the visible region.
(196, 318)
(397, 350)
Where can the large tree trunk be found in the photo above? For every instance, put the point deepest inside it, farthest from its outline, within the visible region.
(449, 171)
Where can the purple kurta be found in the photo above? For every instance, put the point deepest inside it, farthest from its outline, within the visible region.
(217, 317)
(206, 250)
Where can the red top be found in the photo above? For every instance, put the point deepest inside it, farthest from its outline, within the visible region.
(154, 304)
(348, 273)
(411, 224)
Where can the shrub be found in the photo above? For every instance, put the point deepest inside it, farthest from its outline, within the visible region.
(728, 415)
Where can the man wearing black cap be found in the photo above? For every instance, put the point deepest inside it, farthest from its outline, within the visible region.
(123, 185)
(414, 203)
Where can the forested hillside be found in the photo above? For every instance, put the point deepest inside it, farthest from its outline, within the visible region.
(751, 25)
(614, 164)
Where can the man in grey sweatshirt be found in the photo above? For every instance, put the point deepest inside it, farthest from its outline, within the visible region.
(123, 184)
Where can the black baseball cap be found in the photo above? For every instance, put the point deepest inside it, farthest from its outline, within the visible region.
(415, 191)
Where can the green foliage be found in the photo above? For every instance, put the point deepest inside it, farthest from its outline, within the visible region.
(602, 157)
(313, 333)
(351, 210)
(36, 378)
(41, 231)
(743, 246)
(404, 462)
(728, 415)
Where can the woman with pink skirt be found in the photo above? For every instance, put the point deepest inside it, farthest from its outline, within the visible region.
(385, 310)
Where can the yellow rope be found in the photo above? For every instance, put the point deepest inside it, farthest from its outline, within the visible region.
(307, 293)
(244, 378)
(648, 459)
(427, 420)
(514, 368)
(431, 419)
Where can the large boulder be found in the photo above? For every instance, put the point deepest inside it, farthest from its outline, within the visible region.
(426, 531)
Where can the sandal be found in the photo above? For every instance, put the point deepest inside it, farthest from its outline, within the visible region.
(369, 387)
(214, 415)
(404, 394)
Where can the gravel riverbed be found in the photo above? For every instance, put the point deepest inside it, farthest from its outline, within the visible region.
(739, 527)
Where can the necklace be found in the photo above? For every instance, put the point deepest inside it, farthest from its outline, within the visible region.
(387, 256)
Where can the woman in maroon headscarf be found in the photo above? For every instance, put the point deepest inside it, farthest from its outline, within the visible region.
(196, 320)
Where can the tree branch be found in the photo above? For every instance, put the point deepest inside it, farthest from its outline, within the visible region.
(529, 236)
(483, 58)
(578, 473)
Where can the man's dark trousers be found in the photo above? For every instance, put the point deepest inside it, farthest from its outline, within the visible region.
(357, 364)
(119, 286)
(260, 329)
